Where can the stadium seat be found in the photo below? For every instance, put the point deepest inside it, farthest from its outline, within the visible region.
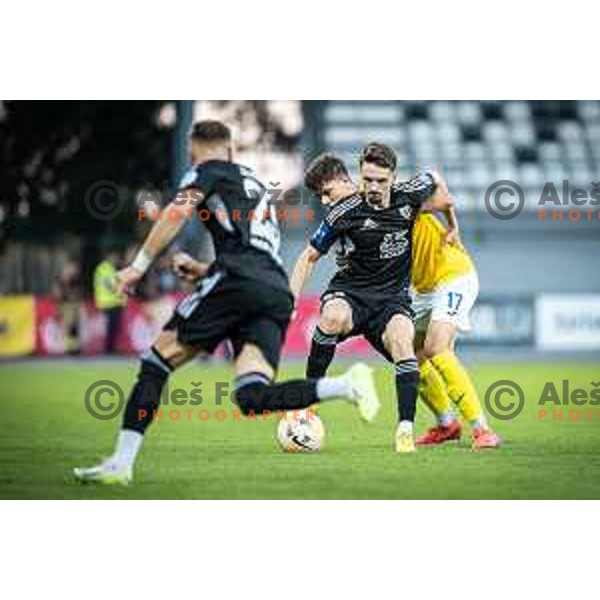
(476, 143)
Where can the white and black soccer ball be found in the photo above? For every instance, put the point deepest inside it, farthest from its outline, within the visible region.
(301, 431)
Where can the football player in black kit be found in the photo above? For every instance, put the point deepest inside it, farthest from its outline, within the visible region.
(370, 295)
(244, 298)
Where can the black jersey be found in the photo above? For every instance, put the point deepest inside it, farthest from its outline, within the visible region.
(241, 220)
(381, 237)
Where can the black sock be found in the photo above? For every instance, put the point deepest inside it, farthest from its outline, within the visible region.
(145, 395)
(407, 382)
(254, 392)
(322, 351)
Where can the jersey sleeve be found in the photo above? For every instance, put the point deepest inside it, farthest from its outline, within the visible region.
(324, 237)
(416, 190)
(333, 225)
(200, 177)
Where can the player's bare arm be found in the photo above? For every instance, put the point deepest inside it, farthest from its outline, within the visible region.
(303, 269)
(443, 202)
(453, 232)
(161, 235)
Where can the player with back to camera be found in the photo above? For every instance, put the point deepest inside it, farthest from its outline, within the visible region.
(371, 296)
(244, 297)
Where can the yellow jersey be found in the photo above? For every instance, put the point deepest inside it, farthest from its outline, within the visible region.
(434, 262)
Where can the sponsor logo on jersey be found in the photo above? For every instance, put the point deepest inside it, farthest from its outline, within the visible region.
(405, 212)
(393, 244)
(369, 224)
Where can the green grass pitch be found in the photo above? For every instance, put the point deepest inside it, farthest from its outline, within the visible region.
(45, 431)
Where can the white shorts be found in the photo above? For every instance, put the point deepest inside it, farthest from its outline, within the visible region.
(450, 302)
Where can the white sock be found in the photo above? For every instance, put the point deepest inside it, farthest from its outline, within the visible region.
(405, 426)
(446, 418)
(479, 423)
(129, 443)
(334, 387)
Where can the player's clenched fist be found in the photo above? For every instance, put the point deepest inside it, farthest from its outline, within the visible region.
(188, 268)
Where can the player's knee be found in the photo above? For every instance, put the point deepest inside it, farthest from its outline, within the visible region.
(166, 345)
(433, 347)
(399, 337)
(400, 349)
(172, 351)
(333, 321)
(153, 360)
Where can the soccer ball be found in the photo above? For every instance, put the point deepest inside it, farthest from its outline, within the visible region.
(300, 431)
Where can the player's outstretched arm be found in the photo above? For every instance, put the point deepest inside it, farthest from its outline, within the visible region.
(303, 269)
(324, 237)
(161, 235)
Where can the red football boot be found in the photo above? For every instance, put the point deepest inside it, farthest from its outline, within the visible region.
(485, 438)
(440, 434)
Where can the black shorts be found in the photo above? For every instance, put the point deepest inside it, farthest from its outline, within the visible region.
(371, 313)
(230, 307)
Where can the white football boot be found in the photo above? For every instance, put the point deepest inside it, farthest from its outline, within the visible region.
(361, 380)
(405, 440)
(108, 472)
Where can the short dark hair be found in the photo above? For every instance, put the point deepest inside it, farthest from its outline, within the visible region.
(210, 132)
(380, 155)
(322, 170)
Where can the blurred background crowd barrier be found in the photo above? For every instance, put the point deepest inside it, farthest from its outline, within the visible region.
(540, 281)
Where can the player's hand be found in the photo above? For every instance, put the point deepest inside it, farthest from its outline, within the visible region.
(125, 281)
(186, 267)
(452, 238)
(182, 264)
